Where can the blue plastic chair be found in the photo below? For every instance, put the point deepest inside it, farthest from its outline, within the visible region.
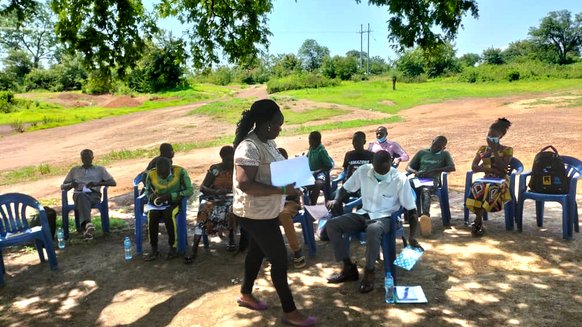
(568, 201)
(388, 239)
(515, 168)
(306, 221)
(141, 218)
(13, 220)
(442, 192)
(103, 207)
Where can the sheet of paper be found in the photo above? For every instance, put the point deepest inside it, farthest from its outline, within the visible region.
(410, 294)
(148, 207)
(86, 189)
(317, 211)
(295, 170)
(408, 257)
(490, 180)
(418, 182)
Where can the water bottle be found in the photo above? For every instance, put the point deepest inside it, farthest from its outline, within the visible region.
(389, 287)
(61, 238)
(127, 248)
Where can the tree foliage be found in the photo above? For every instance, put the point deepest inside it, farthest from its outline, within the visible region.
(561, 32)
(415, 22)
(312, 54)
(34, 35)
(492, 56)
(469, 59)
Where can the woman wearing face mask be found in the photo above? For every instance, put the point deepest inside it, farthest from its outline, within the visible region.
(257, 204)
(493, 160)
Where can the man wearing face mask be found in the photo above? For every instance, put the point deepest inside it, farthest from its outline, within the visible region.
(382, 143)
(430, 163)
(384, 190)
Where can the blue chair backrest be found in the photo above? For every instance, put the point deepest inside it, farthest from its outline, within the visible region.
(573, 167)
(13, 208)
(515, 166)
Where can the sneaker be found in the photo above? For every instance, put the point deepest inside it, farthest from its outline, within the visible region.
(425, 225)
(299, 260)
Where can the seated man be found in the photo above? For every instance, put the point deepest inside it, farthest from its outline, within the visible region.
(358, 156)
(290, 210)
(166, 151)
(384, 190)
(319, 162)
(166, 185)
(430, 163)
(87, 181)
(215, 212)
(382, 143)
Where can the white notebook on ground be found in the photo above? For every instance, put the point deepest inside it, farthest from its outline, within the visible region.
(410, 294)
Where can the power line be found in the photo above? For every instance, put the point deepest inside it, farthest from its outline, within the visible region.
(361, 32)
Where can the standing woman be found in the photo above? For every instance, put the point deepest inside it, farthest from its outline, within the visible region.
(257, 204)
(492, 159)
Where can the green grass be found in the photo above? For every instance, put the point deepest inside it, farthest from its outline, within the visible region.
(371, 94)
(230, 111)
(35, 114)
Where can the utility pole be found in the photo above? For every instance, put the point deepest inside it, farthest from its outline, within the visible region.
(361, 43)
(368, 53)
(362, 48)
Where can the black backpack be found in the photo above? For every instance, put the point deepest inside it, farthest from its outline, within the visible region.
(548, 174)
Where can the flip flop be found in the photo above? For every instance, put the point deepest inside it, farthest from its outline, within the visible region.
(307, 322)
(257, 306)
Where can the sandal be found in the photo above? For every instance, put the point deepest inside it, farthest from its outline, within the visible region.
(307, 322)
(260, 305)
(89, 230)
(477, 229)
(299, 262)
(189, 258)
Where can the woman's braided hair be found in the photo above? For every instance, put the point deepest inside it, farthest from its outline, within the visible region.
(501, 125)
(260, 112)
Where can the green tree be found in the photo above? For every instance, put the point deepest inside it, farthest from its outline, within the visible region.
(312, 54)
(378, 65)
(107, 32)
(440, 61)
(493, 56)
(416, 22)
(561, 32)
(17, 63)
(411, 63)
(35, 35)
(469, 59)
(286, 64)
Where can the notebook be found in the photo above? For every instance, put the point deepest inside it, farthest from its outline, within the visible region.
(410, 294)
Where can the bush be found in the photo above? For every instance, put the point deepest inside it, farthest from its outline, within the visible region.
(6, 101)
(300, 81)
(514, 71)
(7, 82)
(98, 83)
(41, 79)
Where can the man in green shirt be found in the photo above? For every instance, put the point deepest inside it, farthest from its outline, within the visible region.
(166, 185)
(429, 164)
(319, 163)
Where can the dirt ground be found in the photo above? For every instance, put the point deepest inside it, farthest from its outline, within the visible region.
(503, 279)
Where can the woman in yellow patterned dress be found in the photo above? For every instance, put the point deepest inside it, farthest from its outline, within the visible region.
(492, 159)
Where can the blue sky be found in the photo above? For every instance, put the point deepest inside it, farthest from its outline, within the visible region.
(335, 23)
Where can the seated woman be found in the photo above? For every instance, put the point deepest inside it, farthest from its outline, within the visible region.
(492, 159)
(215, 212)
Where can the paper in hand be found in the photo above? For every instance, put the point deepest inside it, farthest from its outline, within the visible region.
(295, 170)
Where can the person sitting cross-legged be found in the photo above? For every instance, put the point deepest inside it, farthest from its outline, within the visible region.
(87, 181)
(430, 163)
(215, 213)
(384, 190)
(166, 185)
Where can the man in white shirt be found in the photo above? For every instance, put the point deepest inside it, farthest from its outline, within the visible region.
(87, 181)
(384, 190)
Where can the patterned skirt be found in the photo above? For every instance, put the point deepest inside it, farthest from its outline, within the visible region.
(214, 216)
(488, 196)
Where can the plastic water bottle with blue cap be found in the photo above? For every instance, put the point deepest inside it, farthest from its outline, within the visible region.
(389, 287)
(61, 238)
(127, 248)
